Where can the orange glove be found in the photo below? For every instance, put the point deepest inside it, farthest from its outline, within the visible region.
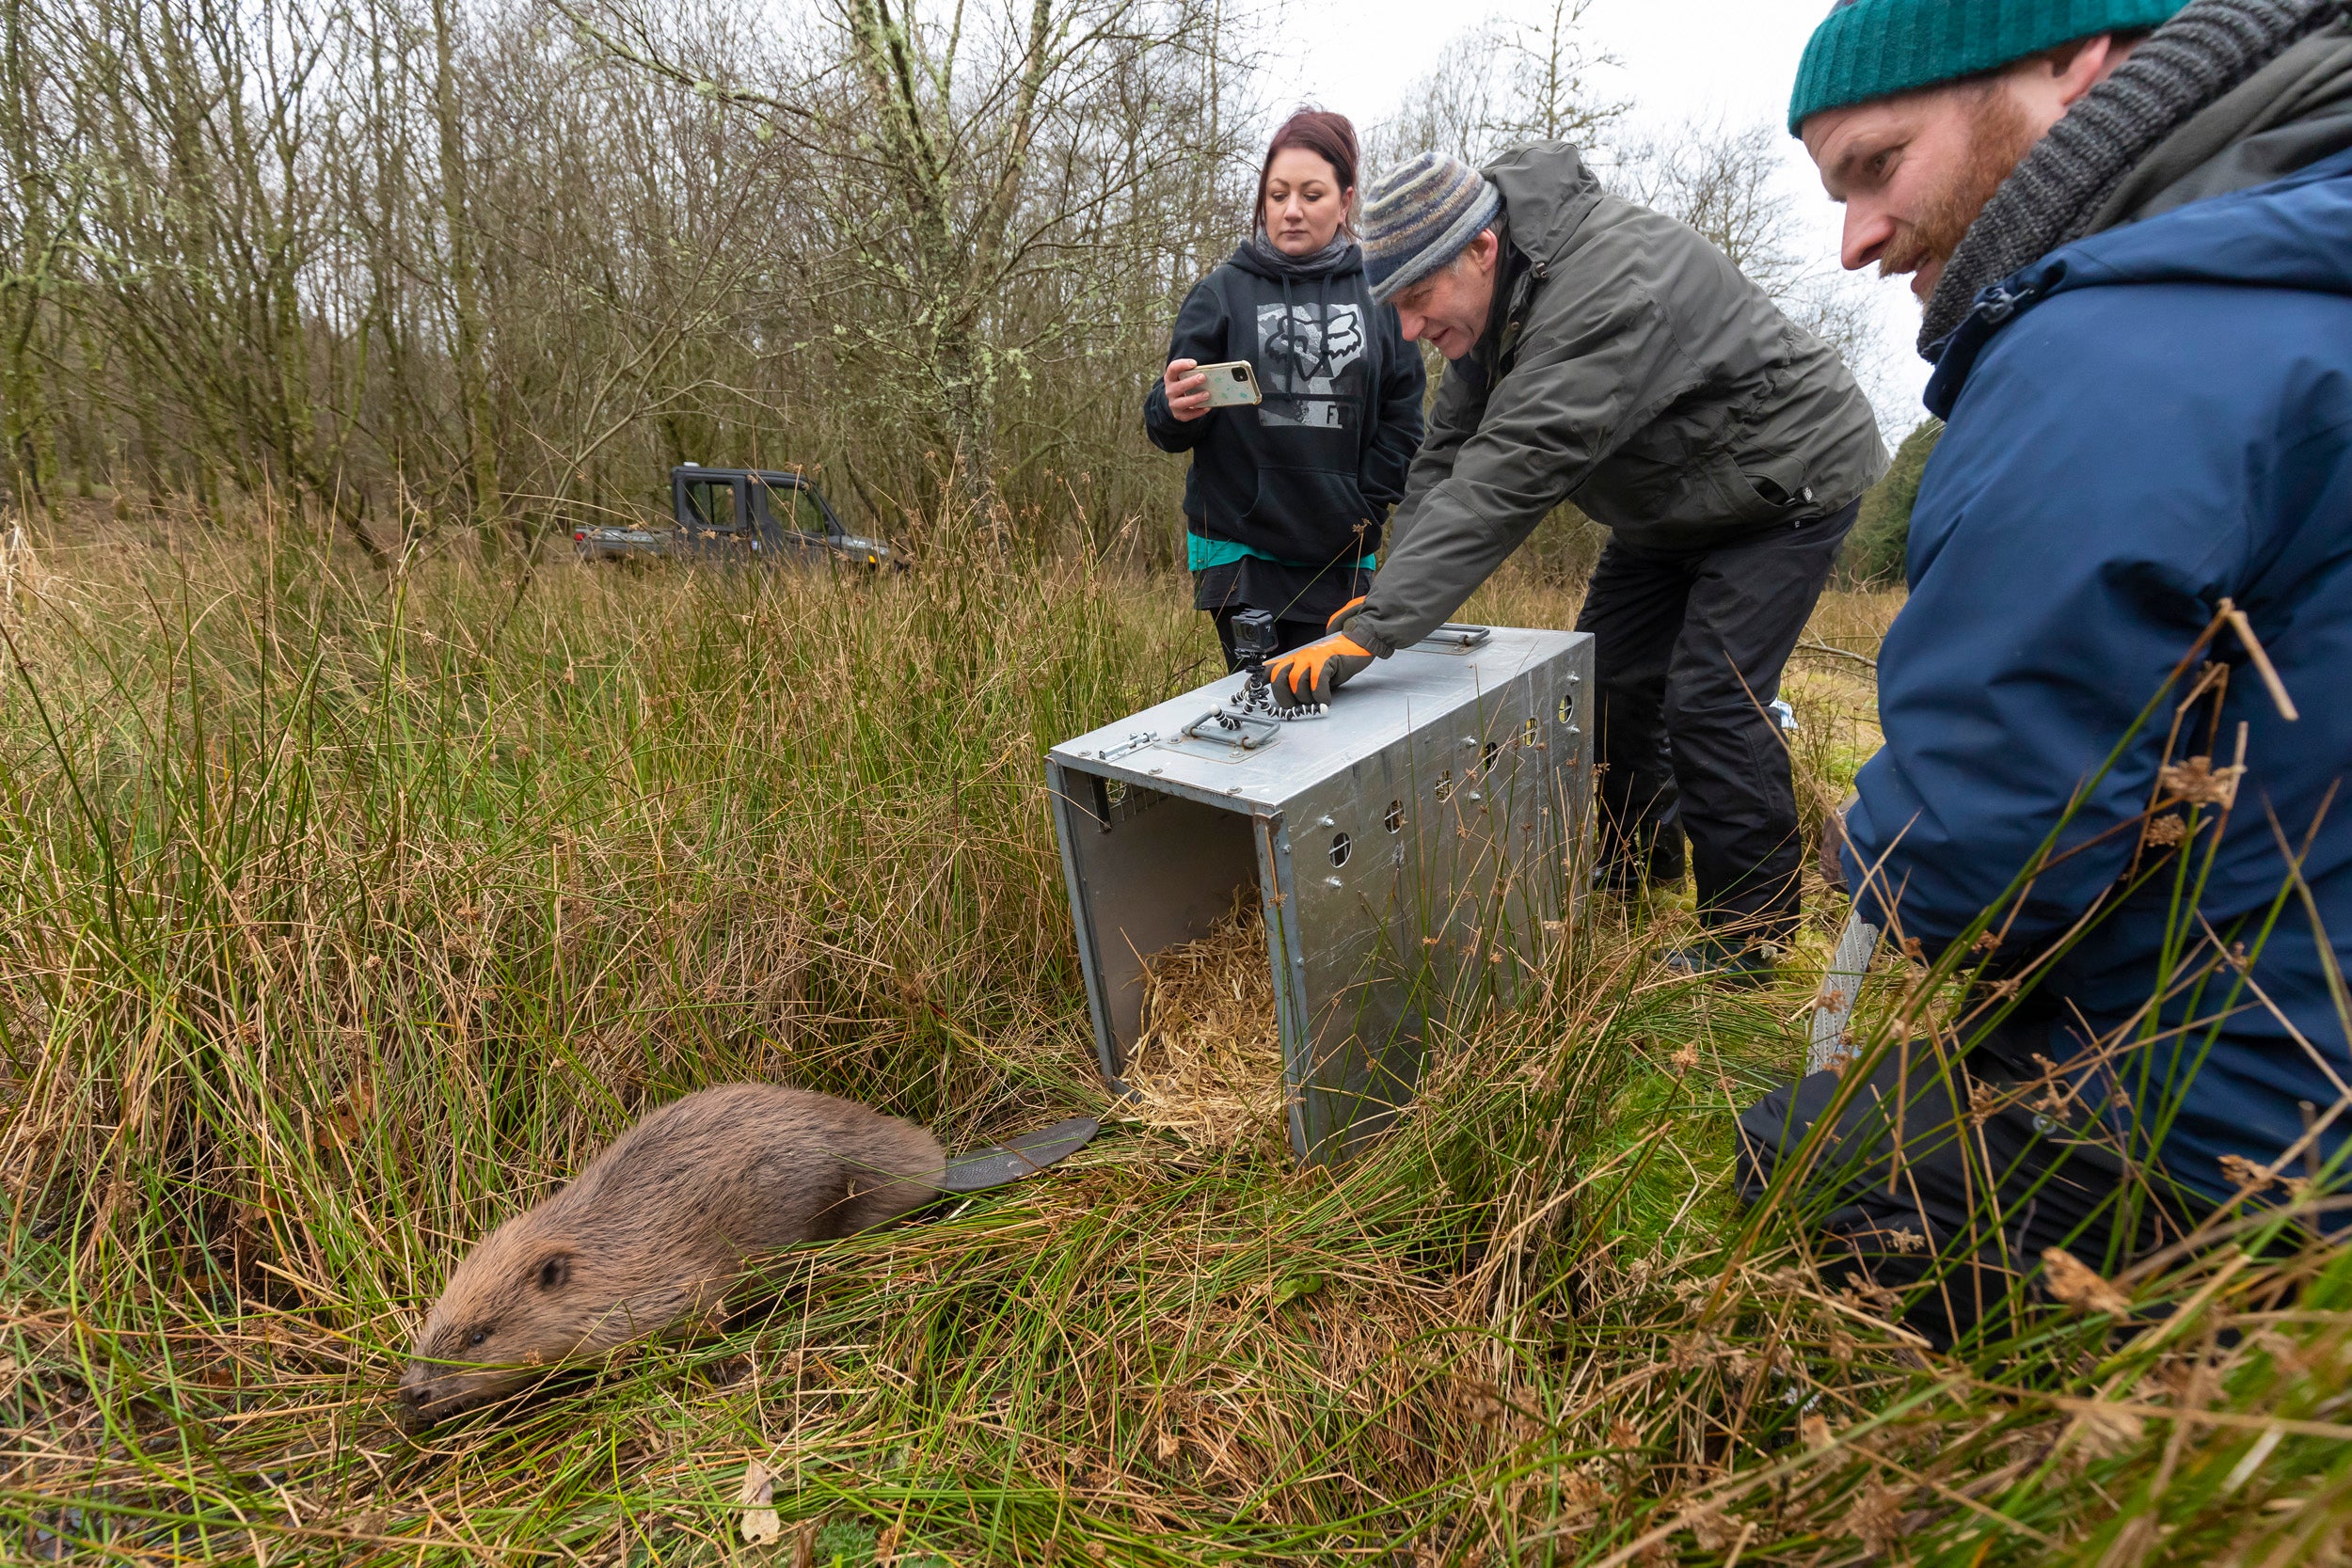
(1306, 676)
(1350, 607)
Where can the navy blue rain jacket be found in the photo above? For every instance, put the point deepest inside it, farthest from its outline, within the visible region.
(2142, 425)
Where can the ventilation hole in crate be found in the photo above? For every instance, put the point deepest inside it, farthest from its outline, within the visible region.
(1115, 792)
(1527, 731)
(1445, 785)
(1487, 758)
(1394, 819)
(1339, 847)
(1567, 708)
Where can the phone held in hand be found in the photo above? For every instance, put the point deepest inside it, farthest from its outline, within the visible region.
(1231, 384)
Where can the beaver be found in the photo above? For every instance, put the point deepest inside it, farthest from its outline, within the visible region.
(655, 1231)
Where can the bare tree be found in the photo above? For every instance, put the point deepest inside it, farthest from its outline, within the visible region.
(1501, 84)
(1720, 182)
(410, 262)
(35, 231)
(965, 162)
(464, 295)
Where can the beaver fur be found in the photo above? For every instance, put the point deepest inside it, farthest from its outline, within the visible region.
(657, 1227)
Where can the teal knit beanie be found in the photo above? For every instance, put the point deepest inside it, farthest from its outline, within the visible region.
(1867, 49)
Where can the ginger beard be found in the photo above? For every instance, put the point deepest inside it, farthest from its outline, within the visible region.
(2000, 134)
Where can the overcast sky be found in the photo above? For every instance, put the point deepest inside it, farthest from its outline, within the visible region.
(1731, 61)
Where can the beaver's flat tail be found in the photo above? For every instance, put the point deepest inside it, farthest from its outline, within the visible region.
(1017, 1159)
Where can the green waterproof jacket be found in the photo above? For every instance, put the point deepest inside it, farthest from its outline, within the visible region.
(1630, 369)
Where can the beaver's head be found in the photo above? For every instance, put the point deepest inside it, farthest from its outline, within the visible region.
(519, 1303)
(550, 1286)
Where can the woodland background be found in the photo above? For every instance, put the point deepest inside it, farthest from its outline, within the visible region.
(461, 276)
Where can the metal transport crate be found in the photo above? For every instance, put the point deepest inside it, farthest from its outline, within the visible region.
(1408, 847)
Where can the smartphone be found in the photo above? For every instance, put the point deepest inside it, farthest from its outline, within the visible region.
(1231, 384)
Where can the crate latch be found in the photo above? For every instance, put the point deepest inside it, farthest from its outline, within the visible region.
(1242, 732)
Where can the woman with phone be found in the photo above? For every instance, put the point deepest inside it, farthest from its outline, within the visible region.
(1296, 395)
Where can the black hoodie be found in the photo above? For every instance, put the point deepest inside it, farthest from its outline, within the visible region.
(1309, 476)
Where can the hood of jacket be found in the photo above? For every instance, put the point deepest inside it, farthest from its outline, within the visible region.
(1547, 193)
(2292, 234)
(2291, 114)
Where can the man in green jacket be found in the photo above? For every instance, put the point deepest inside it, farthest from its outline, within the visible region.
(1605, 354)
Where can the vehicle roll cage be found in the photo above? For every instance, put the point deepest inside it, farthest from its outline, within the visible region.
(749, 516)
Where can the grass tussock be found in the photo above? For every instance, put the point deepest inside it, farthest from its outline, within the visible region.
(344, 916)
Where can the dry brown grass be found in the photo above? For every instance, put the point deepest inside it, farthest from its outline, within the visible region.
(343, 918)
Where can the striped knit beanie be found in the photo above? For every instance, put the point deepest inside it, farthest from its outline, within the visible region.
(1867, 49)
(1420, 215)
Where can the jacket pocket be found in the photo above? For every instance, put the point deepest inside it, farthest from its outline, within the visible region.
(1309, 517)
(1764, 493)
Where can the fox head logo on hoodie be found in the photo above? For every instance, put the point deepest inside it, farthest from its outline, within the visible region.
(1303, 350)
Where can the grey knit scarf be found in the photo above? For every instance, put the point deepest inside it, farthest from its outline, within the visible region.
(2049, 199)
(1317, 265)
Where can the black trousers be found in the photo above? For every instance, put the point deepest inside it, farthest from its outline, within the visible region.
(1948, 1202)
(1689, 648)
(1288, 634)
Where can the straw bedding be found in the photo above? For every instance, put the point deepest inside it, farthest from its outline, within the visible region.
(1208, 1066)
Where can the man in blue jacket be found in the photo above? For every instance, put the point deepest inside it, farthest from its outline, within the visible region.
(2118, 703)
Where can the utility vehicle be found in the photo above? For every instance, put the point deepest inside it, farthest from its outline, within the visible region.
(743, 516)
